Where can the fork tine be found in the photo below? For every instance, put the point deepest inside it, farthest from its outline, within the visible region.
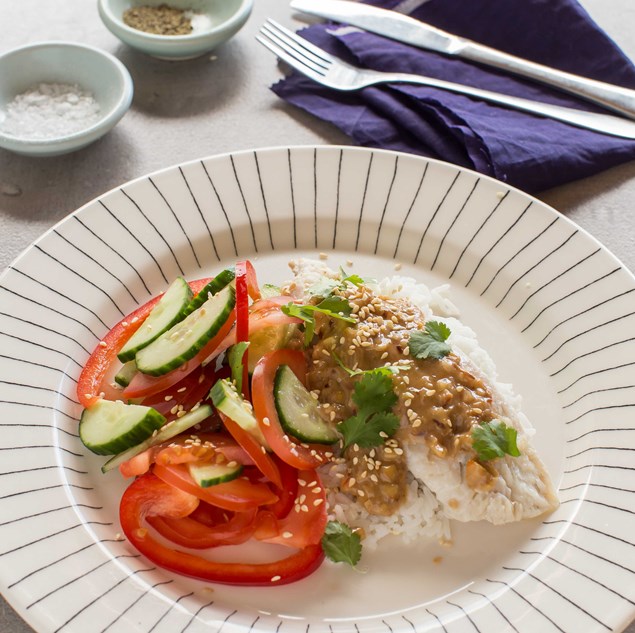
(296, 40)
(293, 50)
(299, 64)
(293, 56)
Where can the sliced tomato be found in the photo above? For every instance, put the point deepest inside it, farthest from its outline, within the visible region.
(148, 496)
(182, 450)
(236, 495)
(91, 381)
(304, 524)
(295, 454)
(143, 385)
(137, 465)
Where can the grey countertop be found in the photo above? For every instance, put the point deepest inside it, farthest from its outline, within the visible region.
(218, 103)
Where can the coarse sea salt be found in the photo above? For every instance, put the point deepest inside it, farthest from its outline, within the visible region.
(50, 110)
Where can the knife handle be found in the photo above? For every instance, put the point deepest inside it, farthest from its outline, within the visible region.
(616, 98)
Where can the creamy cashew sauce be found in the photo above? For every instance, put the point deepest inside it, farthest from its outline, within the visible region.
(439, 401)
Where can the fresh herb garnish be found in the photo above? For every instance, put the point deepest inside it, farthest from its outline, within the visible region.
(374, 420)
(332, 306)
(235, 357)
(354, 279)
(327, 286)
(431, 343)
(388, 370)
(494, 439)
(341, 544)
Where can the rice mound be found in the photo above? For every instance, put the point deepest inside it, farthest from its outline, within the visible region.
(421, 515)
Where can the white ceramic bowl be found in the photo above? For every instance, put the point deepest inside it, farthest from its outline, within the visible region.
(218, 20)
(64, 63)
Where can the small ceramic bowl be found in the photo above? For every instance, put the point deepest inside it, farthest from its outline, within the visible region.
(213, 22)
(94, 71)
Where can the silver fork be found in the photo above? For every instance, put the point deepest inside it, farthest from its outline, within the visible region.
(333, 72)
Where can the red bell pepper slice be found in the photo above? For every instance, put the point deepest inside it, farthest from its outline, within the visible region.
(149, 496)
(89, 385)
(242, 320)
(189, 532)
(304, 524)
(236, 495)
(295, 454)
(254, 449)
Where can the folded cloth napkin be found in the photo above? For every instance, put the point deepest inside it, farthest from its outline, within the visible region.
(526, 151)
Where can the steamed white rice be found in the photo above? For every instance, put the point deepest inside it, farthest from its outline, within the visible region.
(421, 515)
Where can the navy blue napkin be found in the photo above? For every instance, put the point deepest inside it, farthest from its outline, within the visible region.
(526, 151)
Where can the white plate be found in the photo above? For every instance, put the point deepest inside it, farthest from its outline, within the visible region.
(555, 309)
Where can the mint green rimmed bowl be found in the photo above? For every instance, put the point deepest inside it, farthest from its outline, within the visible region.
(93, 70)
(216, 22)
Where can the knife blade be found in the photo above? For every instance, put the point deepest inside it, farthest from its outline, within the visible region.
(405, 29)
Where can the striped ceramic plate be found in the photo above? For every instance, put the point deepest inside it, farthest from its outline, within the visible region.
(555, 309)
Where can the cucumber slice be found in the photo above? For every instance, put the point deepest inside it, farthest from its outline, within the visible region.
(206, 475)
(185, 339)
(126, 373)
(221, 280)
(228, 401)
(298, 410)
(168, 311)
(109, 427)
(167, 432)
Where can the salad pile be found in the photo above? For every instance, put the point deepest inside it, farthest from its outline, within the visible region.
(198, 396)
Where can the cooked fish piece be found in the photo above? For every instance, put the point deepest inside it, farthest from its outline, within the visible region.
(440, 402)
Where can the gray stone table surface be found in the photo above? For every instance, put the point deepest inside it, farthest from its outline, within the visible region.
(218, 103)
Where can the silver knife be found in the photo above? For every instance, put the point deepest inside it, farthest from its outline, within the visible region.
(406, 29)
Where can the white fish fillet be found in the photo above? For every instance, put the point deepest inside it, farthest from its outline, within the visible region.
(521, 488)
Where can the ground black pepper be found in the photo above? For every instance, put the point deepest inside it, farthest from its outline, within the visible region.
(160, 20)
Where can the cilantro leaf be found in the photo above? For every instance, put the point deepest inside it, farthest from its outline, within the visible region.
(333, 307)
(374, 397)
(235, 358)
(386, 370)
(324, 287)
(356, 280)
(366, 431)
(341, 544)
(494, 439)
(374, 393)
(431, 343)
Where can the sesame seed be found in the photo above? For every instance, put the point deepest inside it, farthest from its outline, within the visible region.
(304, 508)
(361, 493)
(287, 535)
(168, 398)
(276, 578)
(416, 423)
(266, 421)
(181, 390)
(103, 344)
(317, 502)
